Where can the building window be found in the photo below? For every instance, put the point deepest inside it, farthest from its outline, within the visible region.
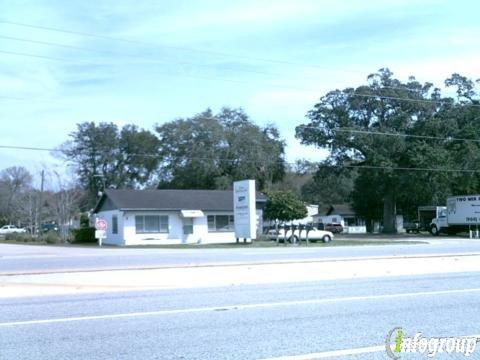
(151, 224)
(219, 223)
(188, 226)
(114, 224)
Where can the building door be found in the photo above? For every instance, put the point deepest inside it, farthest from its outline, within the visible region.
(187, 226)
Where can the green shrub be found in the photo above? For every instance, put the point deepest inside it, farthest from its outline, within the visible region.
(20, 237)
(51, 237)
(84, 220)
(84, 235)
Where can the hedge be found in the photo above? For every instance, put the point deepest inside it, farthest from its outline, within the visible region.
(84, 235)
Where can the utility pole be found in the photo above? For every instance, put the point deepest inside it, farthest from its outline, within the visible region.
(38, 222)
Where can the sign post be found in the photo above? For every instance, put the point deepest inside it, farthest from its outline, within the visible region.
(100, 230)
(244, 205)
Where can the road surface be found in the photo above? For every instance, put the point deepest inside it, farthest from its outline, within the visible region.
(266, 321)
(16, 259)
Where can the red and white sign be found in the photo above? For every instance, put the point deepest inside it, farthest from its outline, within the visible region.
(100, 224)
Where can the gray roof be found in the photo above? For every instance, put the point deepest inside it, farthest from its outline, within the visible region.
(208, 200)
(341, 209)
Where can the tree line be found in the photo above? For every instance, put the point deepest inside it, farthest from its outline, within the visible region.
(206, 151)
(393, 146)
(398, 144)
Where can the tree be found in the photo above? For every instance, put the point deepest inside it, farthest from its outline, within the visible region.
(341, 120)
(296, 176)
(210, 151)
(402, 138)
(283, 206)
(105, 156)
(329, 185)
(15, 181)
(65, 204)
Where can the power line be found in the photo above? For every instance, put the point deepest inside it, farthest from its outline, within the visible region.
(34, 56)
(70, 47)
(370, 132)
(78, 48)
(352, 166)
(210, 52)
(149, 44)
(262, 84)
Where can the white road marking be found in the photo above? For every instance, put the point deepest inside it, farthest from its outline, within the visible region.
(239, 307)
(343, 352)
(333, 353)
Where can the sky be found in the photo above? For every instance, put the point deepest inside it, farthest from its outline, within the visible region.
(150, 62)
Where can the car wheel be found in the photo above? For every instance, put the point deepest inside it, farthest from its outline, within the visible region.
(293, 239)
(326, 239)
(434, 230)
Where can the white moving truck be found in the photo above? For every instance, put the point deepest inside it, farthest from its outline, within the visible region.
(462, 214)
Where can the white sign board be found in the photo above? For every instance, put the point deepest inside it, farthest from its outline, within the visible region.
(244, 201)
(463, 210)
(100, 234)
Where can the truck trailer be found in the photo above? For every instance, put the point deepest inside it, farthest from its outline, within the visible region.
(462, 214)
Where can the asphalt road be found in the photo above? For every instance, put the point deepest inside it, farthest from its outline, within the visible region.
(245, 322)
(31, 259)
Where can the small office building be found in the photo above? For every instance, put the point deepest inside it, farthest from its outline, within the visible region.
(158, 217)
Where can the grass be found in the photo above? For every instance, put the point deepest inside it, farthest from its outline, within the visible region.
(272, 244)
(255, 244)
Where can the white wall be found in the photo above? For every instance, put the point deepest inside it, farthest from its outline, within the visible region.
(216, 237)
(113, 239)
(127, 233)
(175, 235)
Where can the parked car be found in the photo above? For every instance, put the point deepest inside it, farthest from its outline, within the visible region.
(334, 228)
(49, 227)
(313, 235)
(412, 226)
(10, 229)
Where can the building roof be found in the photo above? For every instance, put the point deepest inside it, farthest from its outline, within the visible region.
(341, 209)
(208, 200)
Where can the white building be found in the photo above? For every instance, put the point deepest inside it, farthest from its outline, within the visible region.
(154, 217)
(342, 214)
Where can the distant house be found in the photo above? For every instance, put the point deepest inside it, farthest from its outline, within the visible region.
(147, 217)
(342, 214)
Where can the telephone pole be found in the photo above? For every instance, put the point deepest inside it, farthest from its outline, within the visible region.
(38, 226)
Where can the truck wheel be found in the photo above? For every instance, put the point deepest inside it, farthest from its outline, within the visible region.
(434, 230)
(326, 239)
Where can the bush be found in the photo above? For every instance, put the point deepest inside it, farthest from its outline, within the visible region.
(84, 220)
(50, 237)
(84, 235)
(20, 237)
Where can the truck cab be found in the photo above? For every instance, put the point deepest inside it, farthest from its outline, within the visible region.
(439, 223)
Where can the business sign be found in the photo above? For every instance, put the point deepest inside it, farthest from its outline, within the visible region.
(463, 210)
(244, 201)
(100, 224)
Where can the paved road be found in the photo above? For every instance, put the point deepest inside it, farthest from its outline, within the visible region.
(31, 259)
(247, 322)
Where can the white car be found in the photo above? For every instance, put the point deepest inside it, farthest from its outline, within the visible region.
(10, 229)
(313, 235)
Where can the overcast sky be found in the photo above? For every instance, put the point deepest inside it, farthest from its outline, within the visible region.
(273, 58)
